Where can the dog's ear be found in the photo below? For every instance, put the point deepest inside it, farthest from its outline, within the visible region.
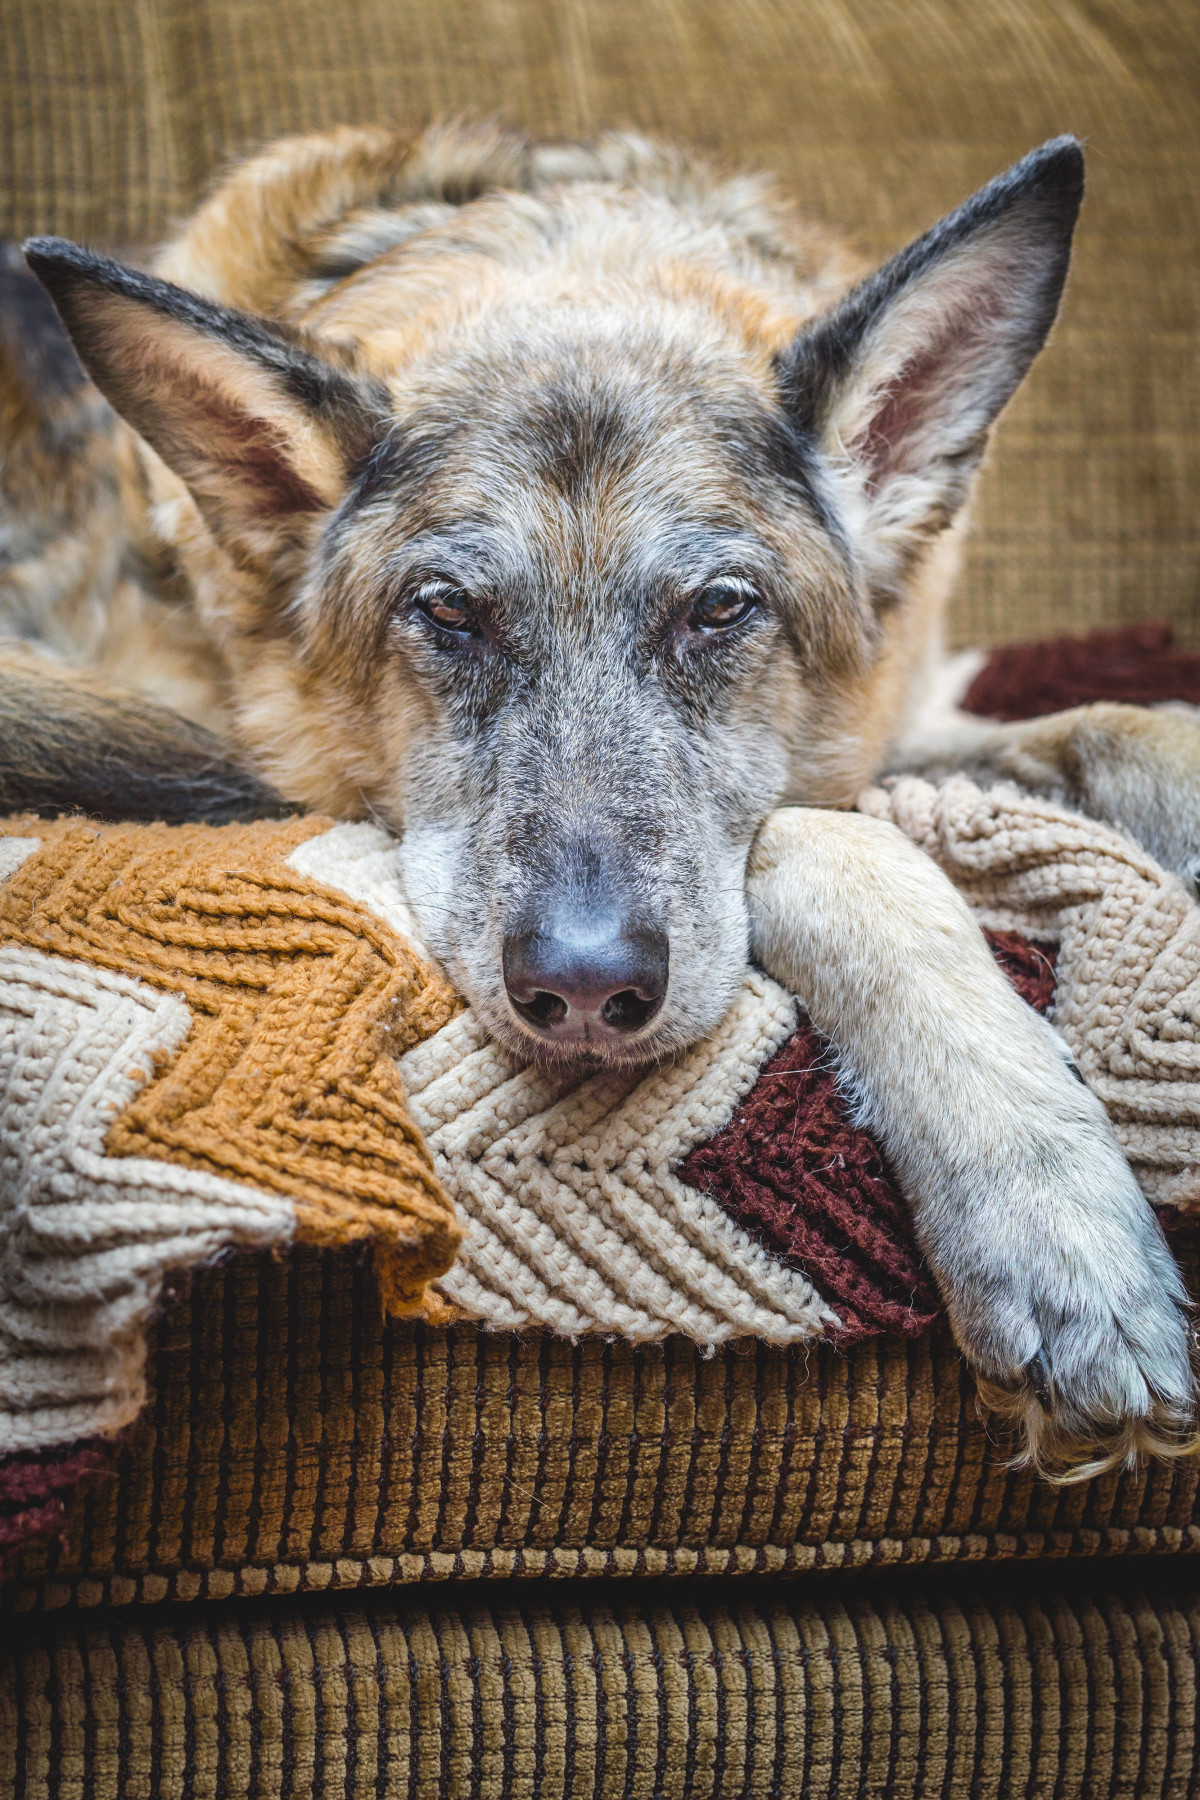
(900, 383)
(263, 431)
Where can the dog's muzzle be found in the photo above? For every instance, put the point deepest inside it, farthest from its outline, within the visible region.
(582, 977)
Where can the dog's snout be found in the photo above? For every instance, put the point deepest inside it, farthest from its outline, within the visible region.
(586, 976)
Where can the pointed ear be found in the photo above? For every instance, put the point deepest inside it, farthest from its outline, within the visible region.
(263, 431)
(900, 384)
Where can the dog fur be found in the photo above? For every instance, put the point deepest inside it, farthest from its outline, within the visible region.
(569, 508)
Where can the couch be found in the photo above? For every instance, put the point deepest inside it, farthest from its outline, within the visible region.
(342, 1554)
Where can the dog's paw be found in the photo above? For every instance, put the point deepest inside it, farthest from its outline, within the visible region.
(1073, 1314)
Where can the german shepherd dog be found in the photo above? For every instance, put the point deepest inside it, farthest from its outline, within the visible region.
(569, 508)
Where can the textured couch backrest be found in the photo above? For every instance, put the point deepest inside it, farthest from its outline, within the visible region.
(879, 114)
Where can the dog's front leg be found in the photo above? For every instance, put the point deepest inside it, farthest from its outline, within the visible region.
(1060, 1287)
(1137, 767)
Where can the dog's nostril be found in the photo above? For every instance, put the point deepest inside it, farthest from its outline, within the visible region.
(544, 1009)
(629, 1010)
(582, 977)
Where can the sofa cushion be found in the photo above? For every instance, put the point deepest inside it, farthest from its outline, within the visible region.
(662, 1694)
(296, 1440)
(764, 1167)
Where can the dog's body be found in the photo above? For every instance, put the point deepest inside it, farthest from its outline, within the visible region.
(569, 515)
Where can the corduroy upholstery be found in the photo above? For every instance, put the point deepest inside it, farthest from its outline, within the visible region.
(878, 115)
(1033, 1689)
(297, 1442)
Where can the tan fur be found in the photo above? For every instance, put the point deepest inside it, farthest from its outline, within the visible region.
(259, 244)
(262, 242)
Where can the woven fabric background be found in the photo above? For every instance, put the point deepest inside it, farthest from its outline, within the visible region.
(295, 1442)
(1037, 1691)
(879, 114)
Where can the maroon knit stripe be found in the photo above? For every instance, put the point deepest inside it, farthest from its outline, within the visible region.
(1137, 664)
(817, 1192)
(1029, 966)
(37, 1487)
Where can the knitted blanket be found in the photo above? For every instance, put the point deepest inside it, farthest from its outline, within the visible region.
(1127, 937)
(220, 1038)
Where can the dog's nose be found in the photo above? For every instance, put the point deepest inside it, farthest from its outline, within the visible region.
(585, 977)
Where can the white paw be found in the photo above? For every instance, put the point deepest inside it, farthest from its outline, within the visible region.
(1068, 1303)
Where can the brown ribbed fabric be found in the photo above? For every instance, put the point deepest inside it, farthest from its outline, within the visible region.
(113, 116)
(297, 1442)
(768, 1696)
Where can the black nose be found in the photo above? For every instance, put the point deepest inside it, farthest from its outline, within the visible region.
(582, 976)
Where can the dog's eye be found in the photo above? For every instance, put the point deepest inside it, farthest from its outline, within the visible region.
(448, 608)
(722, 605)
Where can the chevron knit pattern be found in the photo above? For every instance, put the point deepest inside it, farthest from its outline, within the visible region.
(574, 1216)
(220, 1038)
(577, 1220)
(85, 1239)
(1128, 938)
(193, 1056)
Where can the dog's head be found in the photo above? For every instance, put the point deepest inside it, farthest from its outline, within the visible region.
(582, 580)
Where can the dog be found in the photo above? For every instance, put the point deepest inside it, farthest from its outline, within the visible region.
(569, 508)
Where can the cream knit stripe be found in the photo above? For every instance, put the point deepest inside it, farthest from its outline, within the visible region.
(14, 851)
(576, 1220)
(1128, 938)
(447, 1049)
(85, 1239)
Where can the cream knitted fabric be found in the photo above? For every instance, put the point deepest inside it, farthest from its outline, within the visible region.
(86, 1238)
(573, 1217)
(1128, 938)
(576, 1220)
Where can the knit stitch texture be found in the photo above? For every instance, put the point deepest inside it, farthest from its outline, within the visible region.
(199, 1039)
(576, 1219)
(1128, 943)
(195, 1055)
(86, 1239)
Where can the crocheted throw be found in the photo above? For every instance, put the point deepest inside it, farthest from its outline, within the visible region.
(220, 1038)
(1128, 953)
